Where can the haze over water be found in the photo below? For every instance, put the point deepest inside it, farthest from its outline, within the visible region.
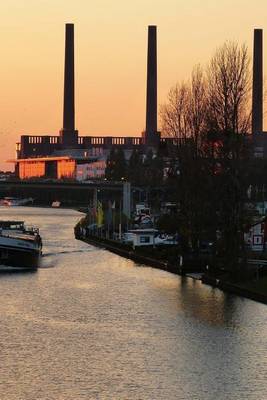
(92, 325)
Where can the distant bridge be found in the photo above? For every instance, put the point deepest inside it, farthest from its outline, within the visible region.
(75, 194)
(68, 193)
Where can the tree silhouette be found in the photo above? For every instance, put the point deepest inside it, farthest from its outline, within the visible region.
(116, 168)
(208, 118)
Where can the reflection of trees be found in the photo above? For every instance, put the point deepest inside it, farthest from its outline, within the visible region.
(207, 304)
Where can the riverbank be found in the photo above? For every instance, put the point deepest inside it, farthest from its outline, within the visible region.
(255, 290)
(166, 258)
(125, 251)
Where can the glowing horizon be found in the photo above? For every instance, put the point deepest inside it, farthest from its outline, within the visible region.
(110, 59)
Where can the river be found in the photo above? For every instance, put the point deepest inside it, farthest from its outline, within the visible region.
(92, 325)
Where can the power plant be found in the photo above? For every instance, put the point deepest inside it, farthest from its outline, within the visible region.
(69, 155)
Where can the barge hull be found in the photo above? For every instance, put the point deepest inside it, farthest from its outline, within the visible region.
(19, 258)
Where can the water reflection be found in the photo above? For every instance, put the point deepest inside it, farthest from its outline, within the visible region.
(213, 306)
(96, 326)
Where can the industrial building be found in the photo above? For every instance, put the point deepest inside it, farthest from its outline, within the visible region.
(69, 155)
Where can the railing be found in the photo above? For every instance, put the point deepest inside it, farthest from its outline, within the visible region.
(54, 139)
(35, 139)
(42, 139)
(100, 140)
(109, 141)
(85, 141)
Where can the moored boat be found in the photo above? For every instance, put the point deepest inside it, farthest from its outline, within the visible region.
(15, 201)
(20, 246)
(55, 204)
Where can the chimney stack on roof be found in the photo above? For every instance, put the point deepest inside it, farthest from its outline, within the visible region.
(257, 89)
(151, 134)
(68, 133)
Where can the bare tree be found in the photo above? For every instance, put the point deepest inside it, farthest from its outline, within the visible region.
(184, 114)
(228, 84)
(228, 117)
(217, 101)
(197, 107)
(174, 112)
(210, 112)
(184, 118)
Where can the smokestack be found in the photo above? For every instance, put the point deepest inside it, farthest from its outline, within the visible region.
(257, 90)
(68, 133)
(151, 135)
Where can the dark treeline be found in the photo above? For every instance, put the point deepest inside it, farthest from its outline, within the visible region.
(140, 169)
(212, 171)
(210, 118)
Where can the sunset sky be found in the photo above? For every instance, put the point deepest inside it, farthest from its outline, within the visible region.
(110, 58)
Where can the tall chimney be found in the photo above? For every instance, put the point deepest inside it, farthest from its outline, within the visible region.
(68, 133)
(257, 90)
(151, 135)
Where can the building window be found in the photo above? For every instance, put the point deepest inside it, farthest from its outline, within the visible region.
(144, 239)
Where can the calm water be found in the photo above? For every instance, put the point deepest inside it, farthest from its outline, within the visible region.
(92, 325)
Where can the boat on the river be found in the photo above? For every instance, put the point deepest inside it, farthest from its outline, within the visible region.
(15, 201)
(20, 246)
(55, 204)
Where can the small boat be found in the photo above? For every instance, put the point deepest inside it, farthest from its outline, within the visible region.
(15, 201)
(55, 204)
(20, 246)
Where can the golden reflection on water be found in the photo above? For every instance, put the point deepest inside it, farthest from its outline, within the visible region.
(213, 306)
(97, 326)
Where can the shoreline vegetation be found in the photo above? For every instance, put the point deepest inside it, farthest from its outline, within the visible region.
(168, 260)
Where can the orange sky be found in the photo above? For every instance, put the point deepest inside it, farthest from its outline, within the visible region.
(110, 57)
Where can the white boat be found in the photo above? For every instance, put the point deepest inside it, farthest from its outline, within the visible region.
(156, 238)
(55, 204)
(15, 201)
(20, 246)
(142, 217)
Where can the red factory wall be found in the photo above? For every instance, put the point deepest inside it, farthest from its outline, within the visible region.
(30, 169)
(66, 169)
